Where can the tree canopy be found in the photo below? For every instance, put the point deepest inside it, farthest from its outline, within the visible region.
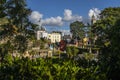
(17, 25)
(108, 31)
(102, 28)
(77, 30)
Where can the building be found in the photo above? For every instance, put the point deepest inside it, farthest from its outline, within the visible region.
(54, 37)
(67, 38)
(85, 41)
(93, 20)
(41, 33)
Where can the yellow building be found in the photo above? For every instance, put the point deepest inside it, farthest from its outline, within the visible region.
(85, 41)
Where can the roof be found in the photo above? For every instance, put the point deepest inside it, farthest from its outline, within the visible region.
(67, 37)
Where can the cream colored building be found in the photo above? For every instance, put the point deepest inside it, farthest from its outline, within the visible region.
(54, 37)
(41, 33)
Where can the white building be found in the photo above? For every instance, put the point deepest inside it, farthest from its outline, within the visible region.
(41, 33)
(54, 37)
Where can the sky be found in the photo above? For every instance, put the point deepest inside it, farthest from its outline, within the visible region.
(58, 14)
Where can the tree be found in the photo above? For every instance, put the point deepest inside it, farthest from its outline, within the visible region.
(108, 31)
(18, 25)
(77, 29)
(20, 43)
(2, 8)
(102, 27)
(114, 53)
(68, 51)
(71, 51)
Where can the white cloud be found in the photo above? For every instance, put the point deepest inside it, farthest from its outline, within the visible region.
(53, 21)
(95, 12)
(35, 17)
(68, 16)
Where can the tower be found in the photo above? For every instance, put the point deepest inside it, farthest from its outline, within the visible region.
(93, 20)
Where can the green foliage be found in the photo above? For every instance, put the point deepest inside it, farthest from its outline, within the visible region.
(20, 43)
(103, 27)
(108, 32)
(18, 29)
(40, 43)
(15, 24)
(88, 56)
(2, 7)
(72, 51)
(77, 29)
(48, 69)
(15, 31)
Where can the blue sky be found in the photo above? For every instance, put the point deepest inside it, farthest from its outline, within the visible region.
(66, 11)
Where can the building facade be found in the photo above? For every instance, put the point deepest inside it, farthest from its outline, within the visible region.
(54, 37)
(41, 33)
